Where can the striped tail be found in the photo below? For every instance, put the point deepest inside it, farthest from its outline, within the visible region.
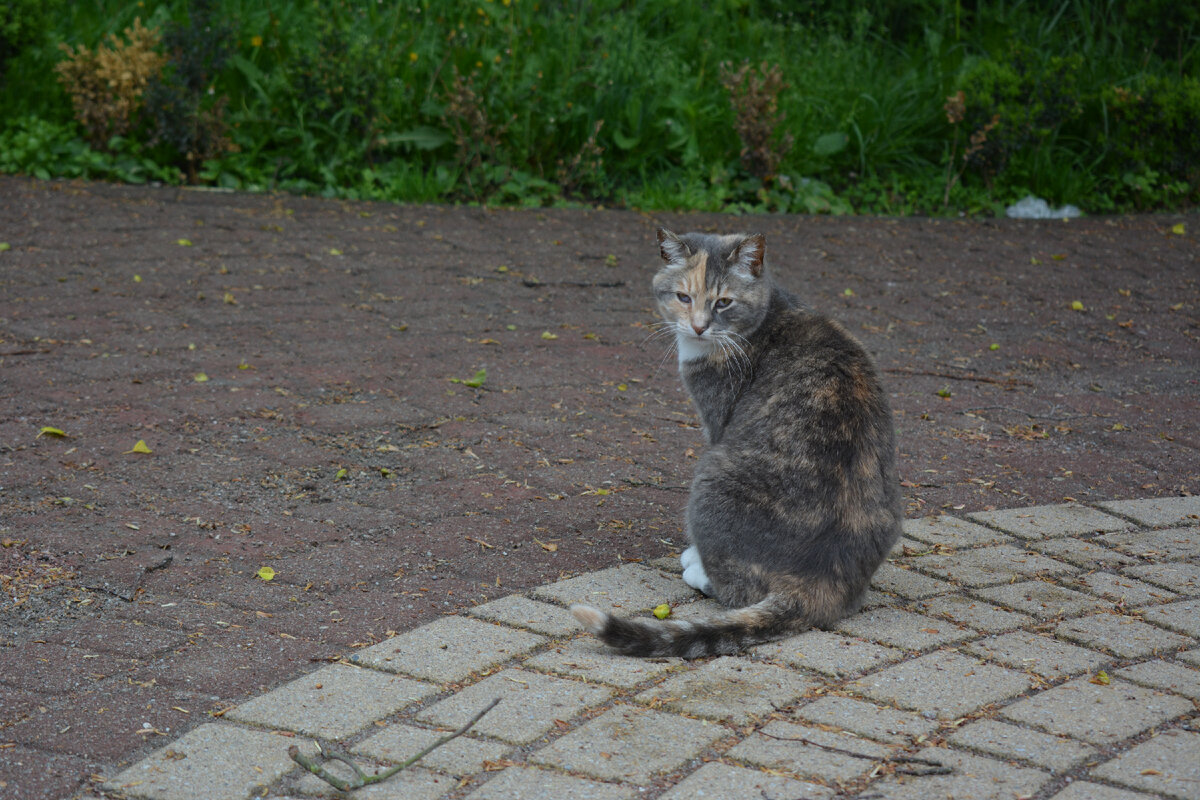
(730, 632)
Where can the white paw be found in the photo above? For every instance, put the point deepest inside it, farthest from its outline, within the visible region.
(689, 557)
(695, 577)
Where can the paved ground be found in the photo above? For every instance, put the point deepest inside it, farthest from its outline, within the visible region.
(301, 372)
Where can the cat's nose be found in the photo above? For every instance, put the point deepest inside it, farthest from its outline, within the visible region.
(699, 327)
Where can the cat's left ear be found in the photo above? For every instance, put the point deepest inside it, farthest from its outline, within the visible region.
(748, 256)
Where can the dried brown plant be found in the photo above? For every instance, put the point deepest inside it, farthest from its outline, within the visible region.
(106, 84)
(754, 94)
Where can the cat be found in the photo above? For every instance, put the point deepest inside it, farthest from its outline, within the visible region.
(795, 501)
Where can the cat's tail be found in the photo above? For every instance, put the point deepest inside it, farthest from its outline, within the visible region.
(729, 632)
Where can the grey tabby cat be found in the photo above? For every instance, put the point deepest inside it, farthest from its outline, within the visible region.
(795, 501)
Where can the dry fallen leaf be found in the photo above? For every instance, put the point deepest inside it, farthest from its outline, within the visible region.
(266, 573)
(140, 447)
(47, 431)
(662, 611)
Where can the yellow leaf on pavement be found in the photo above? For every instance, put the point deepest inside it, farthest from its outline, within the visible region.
(140, 447)
(266, 573)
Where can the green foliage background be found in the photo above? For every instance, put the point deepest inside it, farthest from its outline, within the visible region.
(1090, 102)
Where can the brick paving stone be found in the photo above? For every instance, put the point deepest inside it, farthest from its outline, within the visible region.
(1120, 589)
(1169, 545)
(1042, 655)
(974, 778)
(1124, 636)
(1000, 739)
(1046, 522)
(1182, 616)
(1164, 675)
(448, 649)
(1086, 554)
(867, 719)
(591, 660)
(627, 589)
(630, 744)
(1167, 764)
(810, 752)
(903, 629)
(1191, 656)
(1041, 599)
(529, 706)
(907, 583)
(529, 783)
(410, 784)
(462, 756)
(334, 702)
(829, 653)
(1086, 790)
(525, 613)
(1178, 576)
(1158, 512)
(962, 684)
(716, 781)
(951, 532)
(216, 761)
(1097, 713)
(980, 615)
(990, 565)
(729, 689)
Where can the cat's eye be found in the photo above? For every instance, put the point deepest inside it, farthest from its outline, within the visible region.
(723, 303)
(683, 298)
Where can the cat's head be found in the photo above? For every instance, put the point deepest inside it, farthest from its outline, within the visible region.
(711, 290)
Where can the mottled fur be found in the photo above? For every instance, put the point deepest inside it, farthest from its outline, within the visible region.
(795, 501)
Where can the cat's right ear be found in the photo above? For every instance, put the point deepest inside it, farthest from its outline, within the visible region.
(671, 248)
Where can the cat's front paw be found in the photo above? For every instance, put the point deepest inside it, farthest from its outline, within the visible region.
(695, 577)
(689, 557)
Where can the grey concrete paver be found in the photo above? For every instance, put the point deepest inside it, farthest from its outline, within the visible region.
(1087, 553)
(1042, 599)
(334, 702)
(1037, 653)
(973, 778)
(1122, 635)
(951, 532)
(730, 689)
(830, 653)
(217, 761)
(979, 614)
(1096, 712)
(725, 782)
(1088, 790)
(530, 703)
(902, 629)
(410, 784)
(462, 756)
(944, 683)
(588, 659)
(908, 583)
(1182, 616)
(1158, 512)
(630, 744)
(1002, 740)
(448, 649)
(1167, 764)
(525, 613)
(1122, 589)
(1177, 576)
(530, 783)
(1164, 675)
(626, 589)
(1045, 522)
(868, 719)
(1169, 545)
(810, 752)
(986, 566)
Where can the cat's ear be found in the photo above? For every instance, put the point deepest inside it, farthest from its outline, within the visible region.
(671, 248)
(748, 256)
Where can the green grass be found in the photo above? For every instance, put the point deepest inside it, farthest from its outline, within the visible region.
(499, 102)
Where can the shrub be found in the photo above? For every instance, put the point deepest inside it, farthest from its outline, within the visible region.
(107, 84)
(754, 94)
(1157, 136)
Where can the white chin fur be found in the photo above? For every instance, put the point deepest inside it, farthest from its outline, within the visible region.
(690, 348)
